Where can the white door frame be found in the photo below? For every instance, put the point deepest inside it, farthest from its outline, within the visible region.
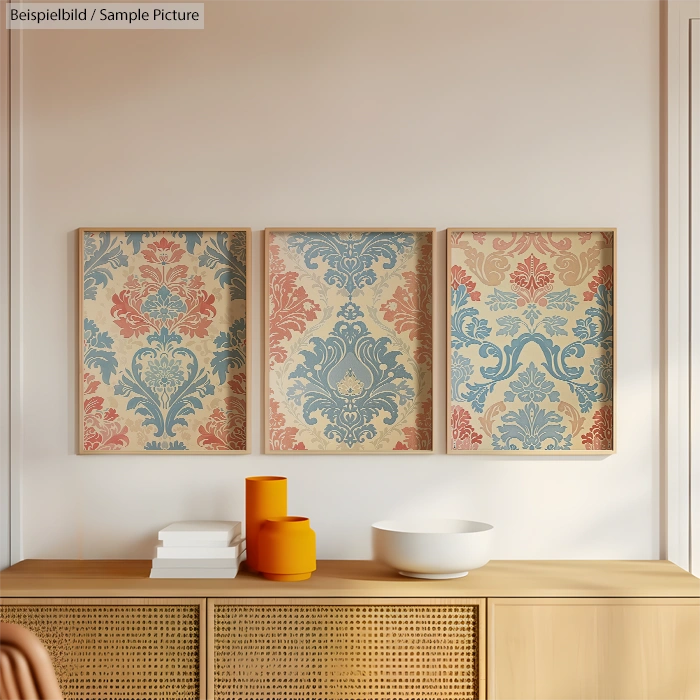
(11, 330)
(677, 16)
(5, 482)
(695, 296)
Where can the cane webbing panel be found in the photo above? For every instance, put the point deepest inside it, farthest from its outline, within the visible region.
(125, 652)
(345, 652)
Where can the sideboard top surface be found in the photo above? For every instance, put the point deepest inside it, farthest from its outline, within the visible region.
(56, 578)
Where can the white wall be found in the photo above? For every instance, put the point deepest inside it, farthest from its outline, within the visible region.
(345, 114)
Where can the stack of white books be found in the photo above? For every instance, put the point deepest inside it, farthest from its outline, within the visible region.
(199, 549)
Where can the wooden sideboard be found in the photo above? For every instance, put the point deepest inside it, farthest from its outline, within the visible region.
(545, 630)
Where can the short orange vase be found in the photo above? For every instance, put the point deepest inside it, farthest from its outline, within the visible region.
(265, 497)
(287, 549)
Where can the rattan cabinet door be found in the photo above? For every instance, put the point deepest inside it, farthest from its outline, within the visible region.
(349, 649)
(118, 648)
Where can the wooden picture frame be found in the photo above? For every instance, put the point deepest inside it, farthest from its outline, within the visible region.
(164, 365)
(546, 411)
(391, 267)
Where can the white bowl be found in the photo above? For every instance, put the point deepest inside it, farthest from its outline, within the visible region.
(432, 548)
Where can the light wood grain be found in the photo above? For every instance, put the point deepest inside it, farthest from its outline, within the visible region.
(598, 648)
(347, 578)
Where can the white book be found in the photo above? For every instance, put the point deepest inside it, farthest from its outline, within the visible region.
(194, 573)
(195, 543)
(204, 572)
(230, 552)
(191, 533)
(160, 563)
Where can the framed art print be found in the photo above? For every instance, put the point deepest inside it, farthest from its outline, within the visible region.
(531, 341)
(163, 336)
(349, 334)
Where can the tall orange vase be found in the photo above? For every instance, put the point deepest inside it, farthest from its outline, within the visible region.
(265, 497)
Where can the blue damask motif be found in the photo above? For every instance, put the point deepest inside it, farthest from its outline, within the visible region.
(596, 329)
(462, 370)
(531, 428)
(564, 300)
(468, 329)
(163, 445)
(229, 257)
(531, 385)
(96, 350)
(164, 305)
(603, 297)
(555, 363)
(510, 325)
(532, 313)
(350, 256)
(171, 387)
(232, 349)
(99, 260)
(350, 378)
(192, 238)
(350, 311)
(163, 375)
(500, 300)
(602, 371)
(554, 325)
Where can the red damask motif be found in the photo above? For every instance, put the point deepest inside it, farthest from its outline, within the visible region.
(290, 307)
(600, 436)
(604, 277)
(226, 428)
(409, 309)
(101, 431)
(237, 384)
(126, 313)
(281, 437)
(92, 384)
(163, 252)
(163, 297)
(544, 243)
(459, 277)
(464, 436)
(532, 279)
(419, 437)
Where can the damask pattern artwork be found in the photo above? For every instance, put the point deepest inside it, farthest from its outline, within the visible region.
(349, 340)
(163, 330)
(531, 341)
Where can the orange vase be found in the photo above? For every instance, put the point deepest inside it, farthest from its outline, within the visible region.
(287, 549)
(265, 497)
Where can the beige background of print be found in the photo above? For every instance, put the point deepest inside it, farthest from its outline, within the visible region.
(490, 268)
(369, 298)
(98, 310)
